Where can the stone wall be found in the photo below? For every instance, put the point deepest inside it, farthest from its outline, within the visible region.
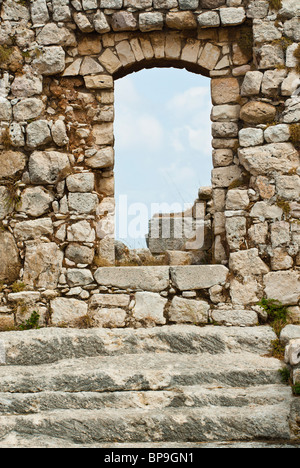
(58, 62)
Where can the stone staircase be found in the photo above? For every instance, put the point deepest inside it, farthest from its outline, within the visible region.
(166, 385)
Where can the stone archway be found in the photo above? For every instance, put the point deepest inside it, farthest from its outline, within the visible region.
(209, 53)
(59, 62)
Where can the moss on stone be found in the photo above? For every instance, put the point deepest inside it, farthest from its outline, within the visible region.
(275, 4)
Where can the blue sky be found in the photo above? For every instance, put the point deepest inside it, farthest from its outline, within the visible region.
(162, 143)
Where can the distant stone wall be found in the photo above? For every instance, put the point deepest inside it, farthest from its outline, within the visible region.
(58, 62)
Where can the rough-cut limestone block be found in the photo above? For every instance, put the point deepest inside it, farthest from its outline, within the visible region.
(252, 83)
(33, 229)
(247, 263)
(27, 109)
(251, 137)
(236, 318)
(188, 311)
(151, 21)
(80, 254)
(209, 19)
(292, 352)
(35, 201)
(279, 157)
(288, 187)
(225, 90)
(283, 286)
(290, 332)
(11, 162)
(232, 16)
(51, 61)
(82, 202)
(277, 133)
(264, 210)
(81, 232)
(67, 311)
(224, 176)
(236, 231)
(181, 20)
(79, 277)
(10, 263)
(102, 158)
(43, 263)
(48, 167)
(237, 200)
(38, 134)
(82, 182)
(27, 297)
(109, 318)
(256, 112)
(244, 292)
(99, 82)
(149, 308)
(153, 279)
(194, 277)
(110, 300)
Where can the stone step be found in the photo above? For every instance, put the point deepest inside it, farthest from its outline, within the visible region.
(152, 371)
(193, 396)
(14, 440)
(162, 425)
(50, 345)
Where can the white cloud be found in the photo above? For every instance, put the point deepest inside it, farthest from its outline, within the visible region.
(192, 99)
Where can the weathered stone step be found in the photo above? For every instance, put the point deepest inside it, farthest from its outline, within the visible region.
(140, 425)
(194, 396)
(14, 440)
(53, 344)
(150, 371)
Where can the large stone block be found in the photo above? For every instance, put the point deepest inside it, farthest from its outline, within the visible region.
(43, 263)
(154, 279)
(225, 90)
(280, 157)
(235, 318)
(188, 311)
(283, 286)
(48, 167)
(67, 311)
(149, 308)
(10, 262)
(247, 263)
(51, 61)
(11, 163)
(35, 201)
(193, 277)
(33, 229)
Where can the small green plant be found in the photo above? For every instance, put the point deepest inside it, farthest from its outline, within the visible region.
(278, 349)
(276, 311)
(285, 375)
(278, 318)
(296, 389)
(18, 286)
(32, 323)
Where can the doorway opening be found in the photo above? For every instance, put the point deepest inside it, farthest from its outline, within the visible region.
(163, 156)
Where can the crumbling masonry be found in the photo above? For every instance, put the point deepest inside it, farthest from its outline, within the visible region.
(59, 60)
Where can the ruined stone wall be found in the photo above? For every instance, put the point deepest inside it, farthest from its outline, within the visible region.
(58, 61)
